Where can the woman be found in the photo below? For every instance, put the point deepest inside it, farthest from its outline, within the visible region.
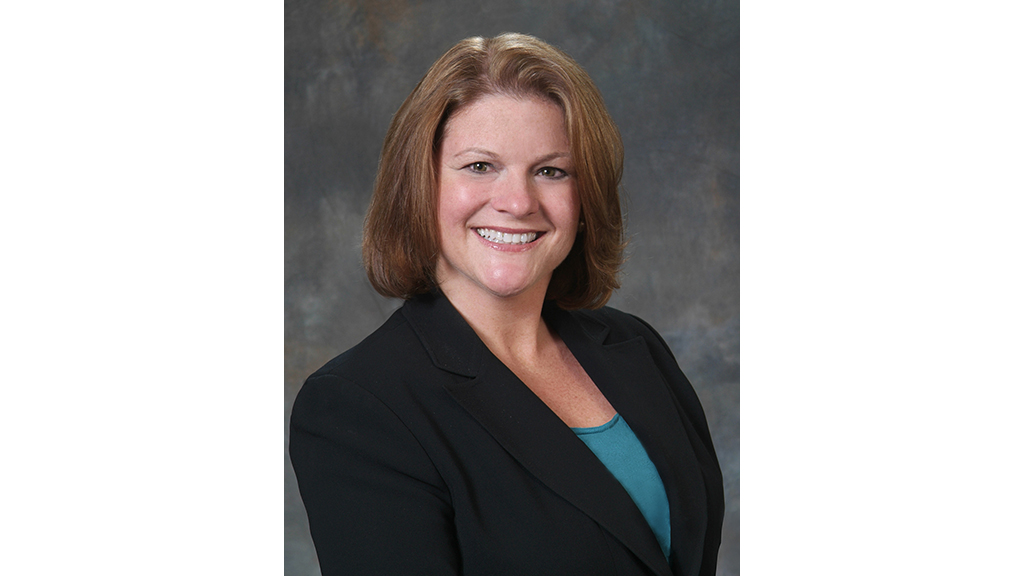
(503, 421)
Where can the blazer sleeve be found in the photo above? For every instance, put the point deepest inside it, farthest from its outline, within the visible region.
(376, 503)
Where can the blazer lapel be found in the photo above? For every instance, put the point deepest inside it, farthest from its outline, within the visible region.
(528, 430)
(628, 377)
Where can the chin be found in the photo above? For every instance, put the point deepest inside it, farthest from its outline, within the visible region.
(509, 287)
(503, 291)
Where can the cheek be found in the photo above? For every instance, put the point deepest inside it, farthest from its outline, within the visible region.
(569, 208)
(450, 203)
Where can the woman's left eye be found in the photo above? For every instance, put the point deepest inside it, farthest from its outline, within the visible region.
(552, 172)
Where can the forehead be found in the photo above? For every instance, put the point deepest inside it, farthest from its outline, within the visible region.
(500, 119)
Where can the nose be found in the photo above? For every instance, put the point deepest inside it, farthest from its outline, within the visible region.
(516, 195)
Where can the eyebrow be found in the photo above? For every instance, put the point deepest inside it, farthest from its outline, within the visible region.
(480, 151)
(489, 154)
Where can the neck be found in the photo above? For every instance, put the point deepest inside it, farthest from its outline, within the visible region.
(511, 327)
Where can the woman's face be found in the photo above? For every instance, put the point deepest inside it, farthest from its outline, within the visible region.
(507, 206)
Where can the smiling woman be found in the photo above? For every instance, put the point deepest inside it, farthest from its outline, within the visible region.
(503, 421)
(400, 242)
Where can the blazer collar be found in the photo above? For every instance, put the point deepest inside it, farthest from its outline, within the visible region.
(529, 431)
(447, 337)
(453, 345)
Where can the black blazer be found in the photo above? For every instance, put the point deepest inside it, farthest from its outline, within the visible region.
(419, 452)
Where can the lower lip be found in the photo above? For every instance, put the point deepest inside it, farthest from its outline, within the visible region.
(509, 247)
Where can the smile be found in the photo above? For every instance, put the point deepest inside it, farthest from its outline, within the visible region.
(505, 238)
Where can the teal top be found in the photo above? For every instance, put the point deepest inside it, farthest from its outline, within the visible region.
(615, 444)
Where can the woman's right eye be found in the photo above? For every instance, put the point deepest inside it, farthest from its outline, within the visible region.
(479, 167)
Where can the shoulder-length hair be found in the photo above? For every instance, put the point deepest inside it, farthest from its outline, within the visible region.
(400, 236)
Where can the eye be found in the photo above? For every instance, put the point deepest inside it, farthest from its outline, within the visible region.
(552, 172)
(479, 167)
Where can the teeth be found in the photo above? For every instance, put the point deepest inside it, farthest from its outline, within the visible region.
(500, 238)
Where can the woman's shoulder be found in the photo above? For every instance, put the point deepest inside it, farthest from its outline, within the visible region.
(378, 365)
(611, 326)
(621, 325)
(369, 354)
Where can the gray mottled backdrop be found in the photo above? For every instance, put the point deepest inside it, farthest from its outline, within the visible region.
(669, 72)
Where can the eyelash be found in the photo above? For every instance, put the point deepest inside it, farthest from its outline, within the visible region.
(484, 167)
(559, 173)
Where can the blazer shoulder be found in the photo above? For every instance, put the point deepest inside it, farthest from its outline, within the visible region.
(376, 353)
(375, 376)
(391, 364)
(620, 325)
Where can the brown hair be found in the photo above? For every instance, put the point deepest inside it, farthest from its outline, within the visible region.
(400, 235)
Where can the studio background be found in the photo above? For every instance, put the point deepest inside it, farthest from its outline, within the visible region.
(669, 73)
